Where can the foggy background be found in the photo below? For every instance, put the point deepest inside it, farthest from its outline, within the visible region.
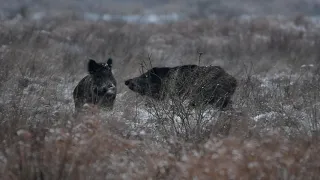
(173, 9)
(270, 46)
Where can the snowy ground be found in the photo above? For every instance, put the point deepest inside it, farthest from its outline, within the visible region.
(275, 60)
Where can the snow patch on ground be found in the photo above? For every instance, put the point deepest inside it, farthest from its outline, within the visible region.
(149, 18)
(268, 115)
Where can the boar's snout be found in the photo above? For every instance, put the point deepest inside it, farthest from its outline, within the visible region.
(105, 89)
(130, 83)
(127, 82)
(111, 89)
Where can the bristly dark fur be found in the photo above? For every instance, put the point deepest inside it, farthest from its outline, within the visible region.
(208, 85)
(99, 87)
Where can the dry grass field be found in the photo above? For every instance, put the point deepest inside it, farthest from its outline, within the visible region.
(272, 132)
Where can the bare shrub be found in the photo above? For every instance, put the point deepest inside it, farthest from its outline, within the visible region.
(278, 91)
(181, 100)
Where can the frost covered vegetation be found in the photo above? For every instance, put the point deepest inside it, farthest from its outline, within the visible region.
(272, 132)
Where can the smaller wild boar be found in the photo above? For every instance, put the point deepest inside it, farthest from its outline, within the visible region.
(199, 84)
(99, 87)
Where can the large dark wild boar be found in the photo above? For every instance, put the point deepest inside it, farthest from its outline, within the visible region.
(99, 87)
(199, 84)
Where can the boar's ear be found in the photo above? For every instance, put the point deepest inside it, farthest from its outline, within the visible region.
(109, 62)
(93, 66)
